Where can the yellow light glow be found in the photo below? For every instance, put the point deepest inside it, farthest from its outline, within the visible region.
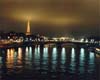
(10, 58)
(19, 53)
(46, 18)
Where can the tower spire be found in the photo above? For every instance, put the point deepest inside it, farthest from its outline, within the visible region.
(28, 28)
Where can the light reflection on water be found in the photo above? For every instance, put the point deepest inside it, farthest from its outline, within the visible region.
(48, 63)
(63, 55)
(72, 64)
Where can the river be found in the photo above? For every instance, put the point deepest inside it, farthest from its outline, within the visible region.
(48, 63)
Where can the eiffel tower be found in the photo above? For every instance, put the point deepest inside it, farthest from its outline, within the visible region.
(28, 32)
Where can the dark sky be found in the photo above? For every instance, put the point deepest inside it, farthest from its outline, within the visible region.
(51, 17)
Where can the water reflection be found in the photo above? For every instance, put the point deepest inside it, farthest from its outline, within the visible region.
(10, 58)
(19, 55)
(82, 57)
(72, 64)
(63, 55)
(48, 63)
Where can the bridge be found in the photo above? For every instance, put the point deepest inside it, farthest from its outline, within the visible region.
(42, 43)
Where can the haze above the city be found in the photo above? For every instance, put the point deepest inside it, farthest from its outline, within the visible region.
(51, 17)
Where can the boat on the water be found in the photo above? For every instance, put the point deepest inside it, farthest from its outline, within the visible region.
(97, 50)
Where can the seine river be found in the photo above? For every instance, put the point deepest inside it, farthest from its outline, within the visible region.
(48, 63)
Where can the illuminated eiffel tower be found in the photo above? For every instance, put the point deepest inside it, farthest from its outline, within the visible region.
(28, 32)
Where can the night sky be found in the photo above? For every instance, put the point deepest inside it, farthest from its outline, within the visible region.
(51, 17)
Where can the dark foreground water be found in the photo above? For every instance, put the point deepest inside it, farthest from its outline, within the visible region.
(48, 63)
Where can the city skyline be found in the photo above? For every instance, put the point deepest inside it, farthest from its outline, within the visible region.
(51, 18)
